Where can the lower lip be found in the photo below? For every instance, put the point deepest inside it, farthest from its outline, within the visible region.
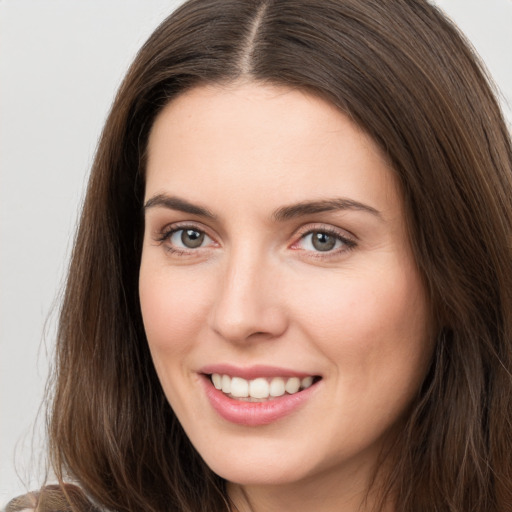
(253, 414)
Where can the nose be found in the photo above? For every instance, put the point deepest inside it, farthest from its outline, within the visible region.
(248, 305)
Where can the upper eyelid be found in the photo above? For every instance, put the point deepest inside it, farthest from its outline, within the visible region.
(177, 226)
(327, 228)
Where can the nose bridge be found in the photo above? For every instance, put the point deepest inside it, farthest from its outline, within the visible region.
(247, 303)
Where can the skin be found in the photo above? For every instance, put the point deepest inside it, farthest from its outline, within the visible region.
(257, 291)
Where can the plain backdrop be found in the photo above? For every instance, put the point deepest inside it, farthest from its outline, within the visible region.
(61, 62)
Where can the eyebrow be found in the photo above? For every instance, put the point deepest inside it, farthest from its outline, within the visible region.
(280, 215)
(326, 205)
(176, 203)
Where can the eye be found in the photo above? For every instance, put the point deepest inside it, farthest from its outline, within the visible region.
(324, 241)
(188, 238)
(321, 241)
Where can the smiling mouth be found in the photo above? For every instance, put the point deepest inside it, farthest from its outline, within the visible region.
(261, 389)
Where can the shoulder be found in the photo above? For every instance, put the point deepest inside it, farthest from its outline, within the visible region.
(52, 498)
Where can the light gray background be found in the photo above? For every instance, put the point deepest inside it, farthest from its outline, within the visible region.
(60, 64)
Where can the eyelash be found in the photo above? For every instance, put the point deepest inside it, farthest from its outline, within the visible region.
(348, 243)
(166, 234)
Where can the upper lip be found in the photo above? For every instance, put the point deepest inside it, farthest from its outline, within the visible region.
(253, 372)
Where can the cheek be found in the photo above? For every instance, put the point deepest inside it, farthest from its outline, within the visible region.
(369, 324)
(374, 332)
(173, 308)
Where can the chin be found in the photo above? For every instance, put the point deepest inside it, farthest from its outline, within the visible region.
(246, 472)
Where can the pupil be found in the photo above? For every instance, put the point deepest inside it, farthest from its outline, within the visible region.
(323, 241)
(192, 238)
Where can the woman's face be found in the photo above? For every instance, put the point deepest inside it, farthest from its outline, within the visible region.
(276, 266)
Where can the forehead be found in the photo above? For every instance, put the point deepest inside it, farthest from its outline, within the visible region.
(249, 141)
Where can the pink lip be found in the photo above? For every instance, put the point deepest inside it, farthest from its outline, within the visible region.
(253, 414)
(251, 372)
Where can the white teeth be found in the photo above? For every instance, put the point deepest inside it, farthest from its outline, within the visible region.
(259, 388)
(292, 385)
(239, 387)
(306, 382)
(226, 384)
(217, 380)
(277, 387)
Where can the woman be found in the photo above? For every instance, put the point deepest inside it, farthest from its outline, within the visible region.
(291, 285)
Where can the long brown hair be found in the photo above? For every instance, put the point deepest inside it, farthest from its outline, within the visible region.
(404, 74)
